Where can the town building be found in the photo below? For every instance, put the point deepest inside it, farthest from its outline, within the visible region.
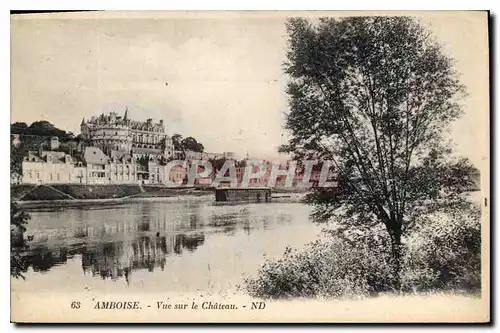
(115, 150)
(193, 155)
(98, 166)
(137, 138)
(123, 169)
(52, 167)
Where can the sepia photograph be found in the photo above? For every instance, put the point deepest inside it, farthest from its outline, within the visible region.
(232, 167)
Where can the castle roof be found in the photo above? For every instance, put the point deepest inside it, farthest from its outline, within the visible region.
(94, 155)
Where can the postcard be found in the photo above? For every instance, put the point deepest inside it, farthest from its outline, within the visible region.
(264, 167)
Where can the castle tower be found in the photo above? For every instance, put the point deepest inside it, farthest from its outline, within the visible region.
(125, 116)
(84, 129)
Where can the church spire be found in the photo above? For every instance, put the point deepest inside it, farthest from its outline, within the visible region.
(125, 117)
(83, 121)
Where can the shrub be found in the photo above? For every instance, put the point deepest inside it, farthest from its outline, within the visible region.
(18, 220)
(335, 267)
(445, 253)
(442, 255)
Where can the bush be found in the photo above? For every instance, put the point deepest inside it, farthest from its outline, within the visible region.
(335, 267)
(443, 255)
(18, 221)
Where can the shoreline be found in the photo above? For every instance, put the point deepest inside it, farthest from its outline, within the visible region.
(81, 203)
(75, 203)
(76, 196)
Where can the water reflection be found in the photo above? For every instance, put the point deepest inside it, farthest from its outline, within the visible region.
(109, 260)
(114, 242)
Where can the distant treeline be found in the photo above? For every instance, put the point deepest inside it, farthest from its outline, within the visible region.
(40, 128)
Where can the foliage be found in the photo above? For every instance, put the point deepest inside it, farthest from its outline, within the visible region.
(217, 163)
(176, 141)
(39, 128)
(184, 144)
(375, 95)
(446, 251)
(444, 254)
(18, 264)
(190, 143)
(18, 217)
(18, 221)
(16, 158)
(32, 138)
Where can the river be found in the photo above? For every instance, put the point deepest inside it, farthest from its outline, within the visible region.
(158, 245)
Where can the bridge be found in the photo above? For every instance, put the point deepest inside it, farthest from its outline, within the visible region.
(251, 194)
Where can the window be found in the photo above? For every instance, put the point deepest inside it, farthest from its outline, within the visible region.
(37, 175)
(57, 177)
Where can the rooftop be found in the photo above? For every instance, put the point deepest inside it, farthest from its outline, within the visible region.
(94, 155)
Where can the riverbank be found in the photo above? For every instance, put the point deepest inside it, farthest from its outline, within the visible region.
(80, 203)
(59, 192)
(72, 195)
(77, 203)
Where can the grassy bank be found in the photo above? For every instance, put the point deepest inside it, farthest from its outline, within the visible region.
(58, 192)
(69, 192)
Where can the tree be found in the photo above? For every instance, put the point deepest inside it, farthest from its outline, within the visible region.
(190, 143)
(18, 220)
(375, 95)
(176, 141)
(182, 144)
(16, 158)
(18, 127)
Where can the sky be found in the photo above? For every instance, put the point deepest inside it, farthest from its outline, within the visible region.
(215, 76)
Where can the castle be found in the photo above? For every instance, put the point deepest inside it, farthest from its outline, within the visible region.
(115, 150)
(113, 133)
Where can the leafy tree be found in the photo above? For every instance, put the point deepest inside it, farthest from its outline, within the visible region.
(40, 128)
(217, 163)
(375, 95)
(18, 220)
(190, 143)
(18, 127)
(33, 137)
(182, 144)
(16, 158)
(241, 164)
(176, 140)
